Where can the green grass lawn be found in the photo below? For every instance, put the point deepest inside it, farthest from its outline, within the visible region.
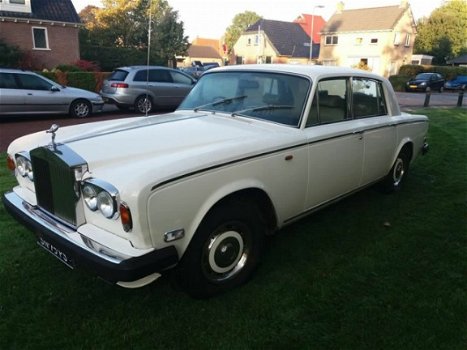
(372, 272)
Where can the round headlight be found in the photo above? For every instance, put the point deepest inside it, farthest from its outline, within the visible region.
(21, 165)
(90, 196)
(106, 204)
(29, 172)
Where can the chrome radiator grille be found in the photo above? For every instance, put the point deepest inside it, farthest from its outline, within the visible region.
(57, 191)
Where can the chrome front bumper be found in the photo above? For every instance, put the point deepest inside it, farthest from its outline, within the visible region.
(76, 249)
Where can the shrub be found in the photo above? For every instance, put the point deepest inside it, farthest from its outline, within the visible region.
(398, 82)
(87, 66)
(67, 68)
(10, 56)
(82, 80)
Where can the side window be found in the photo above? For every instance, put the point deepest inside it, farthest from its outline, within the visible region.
(32, 82)
(140, 75)
(179, 78)
(7, 81)
(368, 98)
(329, 103)
(160, 76)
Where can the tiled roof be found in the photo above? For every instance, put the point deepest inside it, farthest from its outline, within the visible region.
(367, 19)
(48, 10)
(202, 51)
(288, 38)
(458, 60)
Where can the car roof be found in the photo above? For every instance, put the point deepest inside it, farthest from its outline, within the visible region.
(129, 68)
(14, 70)
(312, 71)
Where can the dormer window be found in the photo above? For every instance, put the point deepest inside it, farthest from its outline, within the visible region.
(23, 6)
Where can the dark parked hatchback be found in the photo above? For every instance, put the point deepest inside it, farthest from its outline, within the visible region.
(423, 81)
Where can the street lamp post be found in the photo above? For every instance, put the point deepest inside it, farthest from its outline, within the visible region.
(312, 26)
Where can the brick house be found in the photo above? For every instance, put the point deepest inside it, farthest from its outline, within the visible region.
(45, 30)
(380, 38)
(271, 41)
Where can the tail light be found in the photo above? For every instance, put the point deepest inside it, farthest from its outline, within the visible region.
(119, 85)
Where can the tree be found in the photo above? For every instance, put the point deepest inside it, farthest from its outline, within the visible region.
(443, 34)
(239, 24)
(124, 24)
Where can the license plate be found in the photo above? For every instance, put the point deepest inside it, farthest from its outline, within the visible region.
(55, 252)
(413, 86)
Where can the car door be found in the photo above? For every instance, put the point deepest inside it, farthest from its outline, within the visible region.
(376, 127)
(40, 95)
(182, 85)
(335, 144)
(12, 99)
(162, 88)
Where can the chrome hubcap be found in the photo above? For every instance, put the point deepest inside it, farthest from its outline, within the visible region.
(81, 109)
(398, 171)
(225, 255)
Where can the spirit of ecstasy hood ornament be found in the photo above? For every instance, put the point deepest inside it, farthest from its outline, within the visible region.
(53, 129)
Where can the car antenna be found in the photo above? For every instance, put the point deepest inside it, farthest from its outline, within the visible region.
(147, 58)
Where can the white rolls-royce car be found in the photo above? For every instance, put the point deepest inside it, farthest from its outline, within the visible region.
(252, 148)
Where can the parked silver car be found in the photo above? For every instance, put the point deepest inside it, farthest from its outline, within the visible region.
(25, 92)
(146, 87)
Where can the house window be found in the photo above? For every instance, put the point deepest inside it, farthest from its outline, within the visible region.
(256, 40)
(17, 2)
(374, 40)
(268, 59)
(239, 60)
(397, 38)
(39, 36)
(407, 40)
(358, 41)
(249, 42)
(331, 40)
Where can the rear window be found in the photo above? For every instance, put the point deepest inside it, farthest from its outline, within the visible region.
(118, 74)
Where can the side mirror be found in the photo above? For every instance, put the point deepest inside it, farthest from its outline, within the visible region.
(54, 89)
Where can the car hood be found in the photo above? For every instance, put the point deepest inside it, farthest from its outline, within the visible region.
(164, 147)
(417, 81)
(79, 92)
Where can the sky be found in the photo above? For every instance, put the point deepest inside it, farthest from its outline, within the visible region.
(210, 18)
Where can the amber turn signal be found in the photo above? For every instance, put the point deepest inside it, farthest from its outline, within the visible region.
(125, 217)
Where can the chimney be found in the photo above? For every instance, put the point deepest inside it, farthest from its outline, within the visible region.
(404, 4)
(339, 7)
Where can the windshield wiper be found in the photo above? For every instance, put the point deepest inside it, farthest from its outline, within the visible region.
(220, 102)
(262, 108)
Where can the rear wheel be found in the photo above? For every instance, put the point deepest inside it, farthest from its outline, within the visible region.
(225, 250)
(143, 104)
(80, 109)
(396, 176)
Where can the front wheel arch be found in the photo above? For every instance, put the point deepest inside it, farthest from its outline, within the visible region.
(225, 250)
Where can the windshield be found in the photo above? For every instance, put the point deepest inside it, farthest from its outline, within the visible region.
(423, 76)
(274, 97)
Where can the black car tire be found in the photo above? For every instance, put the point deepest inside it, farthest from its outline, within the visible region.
(225, 250)
(80, 109)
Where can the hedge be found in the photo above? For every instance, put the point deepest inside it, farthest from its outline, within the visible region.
(91, 81)
(449, 72)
